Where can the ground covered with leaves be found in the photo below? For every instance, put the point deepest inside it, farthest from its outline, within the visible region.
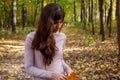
(86, 54)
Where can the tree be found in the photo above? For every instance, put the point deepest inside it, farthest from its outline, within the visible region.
(24, 15)
(118, 25)
(42, 4)
(101, 19)
(36, 12)
(6, 13)
(105, 10)
(55, 1)
(75, 10)
(89, 10)
(14, 20)
(109, 18)
(0, 23)
(92, 21)
(83, 13)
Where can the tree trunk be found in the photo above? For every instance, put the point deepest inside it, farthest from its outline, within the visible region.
(89, 2)
(109, 19)
(55, 1)
(95, 11)
(0, 23)
(101, 19)
(81, 13)
(74, 10)
(42, 4)
(24, 16)
(36, 12)
(5, 16)
(92, 21)
(14, 20)
(118, 26)
(105, 11)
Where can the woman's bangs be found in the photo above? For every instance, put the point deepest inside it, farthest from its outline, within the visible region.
(58, 17)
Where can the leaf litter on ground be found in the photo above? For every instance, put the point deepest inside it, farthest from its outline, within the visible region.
(90, 58)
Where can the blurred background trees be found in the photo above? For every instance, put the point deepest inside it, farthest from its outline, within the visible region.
(91, 15)
(95, 16)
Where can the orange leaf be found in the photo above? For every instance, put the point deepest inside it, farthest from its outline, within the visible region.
(72, 76)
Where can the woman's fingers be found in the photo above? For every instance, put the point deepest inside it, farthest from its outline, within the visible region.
(57, 76)
(63, 77)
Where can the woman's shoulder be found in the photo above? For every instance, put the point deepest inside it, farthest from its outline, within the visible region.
(30, 35)
(63, 35)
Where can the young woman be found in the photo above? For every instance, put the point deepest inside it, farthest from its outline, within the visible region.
(44, 48)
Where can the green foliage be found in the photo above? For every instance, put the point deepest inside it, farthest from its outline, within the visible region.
(4, 32)
(5, 15)
(90, 41)
(25, 31)
(20, 31)
(78, 23)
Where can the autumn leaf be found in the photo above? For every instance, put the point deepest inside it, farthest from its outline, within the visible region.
(72, 76)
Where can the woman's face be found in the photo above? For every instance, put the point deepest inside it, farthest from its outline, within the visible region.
(57, 25)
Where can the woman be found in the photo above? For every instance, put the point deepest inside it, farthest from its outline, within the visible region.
(44, 48)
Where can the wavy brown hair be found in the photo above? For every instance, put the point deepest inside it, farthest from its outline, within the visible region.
(44, 40)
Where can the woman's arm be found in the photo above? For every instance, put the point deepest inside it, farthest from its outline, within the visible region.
(66, 67)
(29, 63)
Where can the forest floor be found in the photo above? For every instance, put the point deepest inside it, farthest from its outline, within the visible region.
(88, 56)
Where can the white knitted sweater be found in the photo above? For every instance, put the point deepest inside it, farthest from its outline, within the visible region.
(37, 68)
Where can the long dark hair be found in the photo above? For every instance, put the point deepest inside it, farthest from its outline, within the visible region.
(44, 40)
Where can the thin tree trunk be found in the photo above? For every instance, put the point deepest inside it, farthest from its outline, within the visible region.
(118, 26)
(5, 16)
(89, 2)
(36, 12)
(24, 16)
(84, 14)
(92, 21)
(0, 23)
(95, 11)
(14, 20)
(42, 4)
(81, 15)
(110, 19)
(74, 10)
(101, 19)
(105, 12)
(55, 1)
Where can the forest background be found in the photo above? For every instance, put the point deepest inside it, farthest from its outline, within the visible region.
(93, 36)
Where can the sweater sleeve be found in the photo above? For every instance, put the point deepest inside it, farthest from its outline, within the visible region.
(29, 67)
(65, 66)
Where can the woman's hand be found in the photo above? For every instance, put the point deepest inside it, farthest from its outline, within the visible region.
(57, 76)
(69, 71)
